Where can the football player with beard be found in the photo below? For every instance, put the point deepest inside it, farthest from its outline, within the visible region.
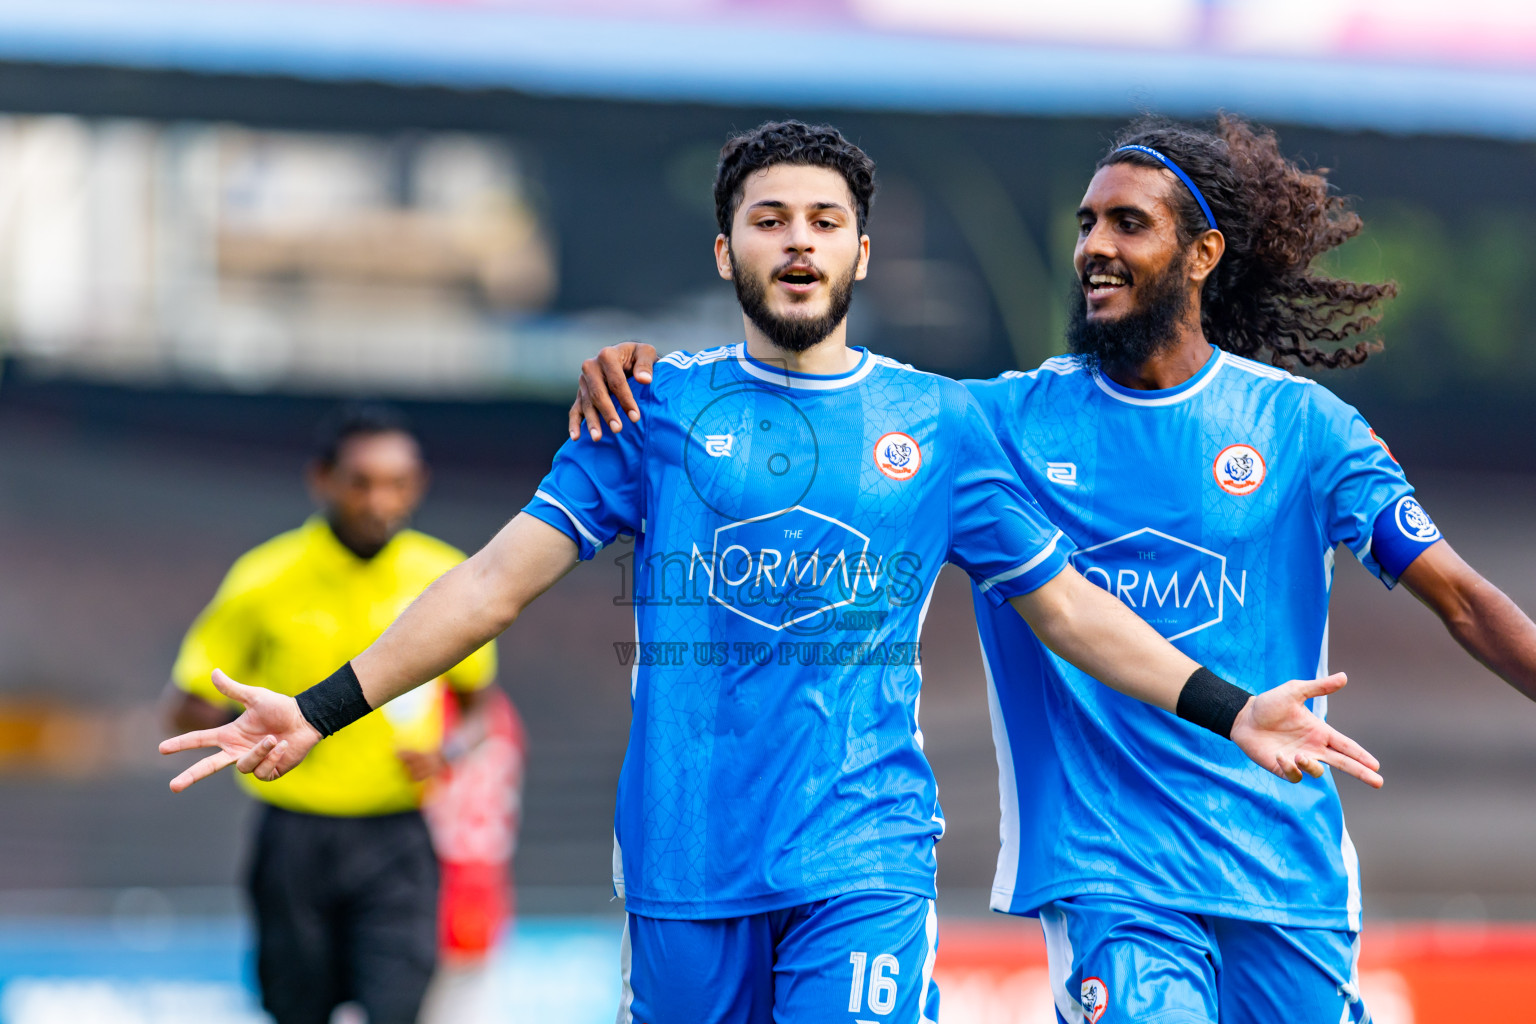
(776, 818)
(1207, 488)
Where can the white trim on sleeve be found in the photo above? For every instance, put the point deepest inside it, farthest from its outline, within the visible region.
(545, 496)
(1012, 574)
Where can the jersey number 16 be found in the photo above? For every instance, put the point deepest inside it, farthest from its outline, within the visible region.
(882, 983)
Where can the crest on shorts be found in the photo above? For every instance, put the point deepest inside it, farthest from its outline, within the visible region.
(898, 456)
(1095, 999)
(1239, 469)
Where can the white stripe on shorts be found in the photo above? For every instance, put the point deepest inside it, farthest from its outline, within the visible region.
(627, 994)
(931, 926)
(1058, 955)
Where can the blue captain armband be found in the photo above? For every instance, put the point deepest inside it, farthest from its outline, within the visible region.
(1403, 531)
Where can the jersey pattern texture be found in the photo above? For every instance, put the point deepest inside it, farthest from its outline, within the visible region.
(1212, 510)
(789, 529)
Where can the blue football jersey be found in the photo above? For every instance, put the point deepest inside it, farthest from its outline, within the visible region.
(788, 533)
(1213, 510)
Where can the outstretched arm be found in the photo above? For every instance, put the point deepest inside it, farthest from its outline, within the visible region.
(604, 379)
(1091, 629)
(1483, 620)
(468, 606)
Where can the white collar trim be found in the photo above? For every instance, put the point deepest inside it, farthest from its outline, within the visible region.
(1171, 396)
(803, 381)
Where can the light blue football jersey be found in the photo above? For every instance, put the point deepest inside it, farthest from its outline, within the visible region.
(1213, 510)
(788, 533)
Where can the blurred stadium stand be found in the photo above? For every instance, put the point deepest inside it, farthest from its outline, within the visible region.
(1372, 64)
(214, 219)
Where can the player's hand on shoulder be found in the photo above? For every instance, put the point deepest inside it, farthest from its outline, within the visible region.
(268, 739)
(1282, 735)
(604, 379)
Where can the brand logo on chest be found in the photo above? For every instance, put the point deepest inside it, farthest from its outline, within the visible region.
(1063, 473)
(1179, 588)
(788, 568)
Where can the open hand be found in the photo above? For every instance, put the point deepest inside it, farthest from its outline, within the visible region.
(1280, 734)
(605, 378)
(268, 739)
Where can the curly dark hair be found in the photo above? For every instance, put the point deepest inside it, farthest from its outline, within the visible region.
(790, 142)
(1264, 300)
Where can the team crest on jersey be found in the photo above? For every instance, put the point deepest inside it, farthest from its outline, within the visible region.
(1414, 521)
(1239, 469)
(898, 456)
(1095, 999)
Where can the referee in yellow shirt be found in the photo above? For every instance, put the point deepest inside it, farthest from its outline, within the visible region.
(343, 878)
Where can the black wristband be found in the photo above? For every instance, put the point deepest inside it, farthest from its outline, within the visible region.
(335, 702)
(1210, 701)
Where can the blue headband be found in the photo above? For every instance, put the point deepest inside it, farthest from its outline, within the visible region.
(1210, 218)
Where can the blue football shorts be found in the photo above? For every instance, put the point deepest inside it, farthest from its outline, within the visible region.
(859, 957)
(1114, 959)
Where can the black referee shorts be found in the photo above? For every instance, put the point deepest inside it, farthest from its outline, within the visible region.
(346, 910)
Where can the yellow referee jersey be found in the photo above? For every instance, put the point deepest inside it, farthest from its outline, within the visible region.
(287, 615)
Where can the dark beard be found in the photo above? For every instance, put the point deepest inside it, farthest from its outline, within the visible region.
(799, 333)
(1125, 344)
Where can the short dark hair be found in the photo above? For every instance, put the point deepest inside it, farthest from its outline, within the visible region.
(796, 143)
(356, 419)
(1265, 299)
